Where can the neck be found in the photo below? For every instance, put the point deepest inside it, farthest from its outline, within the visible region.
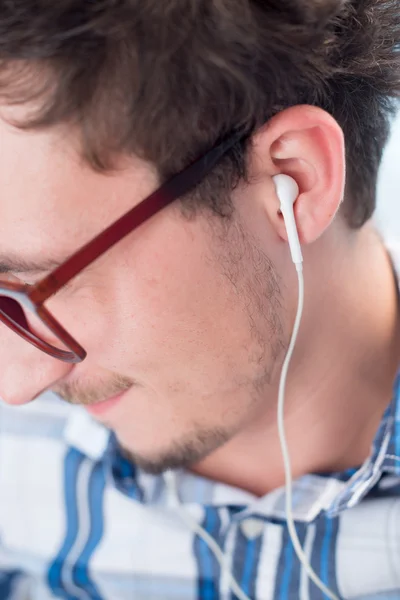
(340, 379)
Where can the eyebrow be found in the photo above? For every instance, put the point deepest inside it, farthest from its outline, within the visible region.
(14, 264)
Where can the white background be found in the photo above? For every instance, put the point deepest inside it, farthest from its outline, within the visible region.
(388, 207)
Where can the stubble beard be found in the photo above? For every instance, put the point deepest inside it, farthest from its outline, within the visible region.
(258, 290)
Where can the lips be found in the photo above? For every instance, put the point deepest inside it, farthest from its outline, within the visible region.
(105, 405)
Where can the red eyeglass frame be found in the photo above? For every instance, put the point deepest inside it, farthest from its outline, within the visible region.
(33, 297)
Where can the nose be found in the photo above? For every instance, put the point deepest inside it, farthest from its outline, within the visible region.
(25, 370)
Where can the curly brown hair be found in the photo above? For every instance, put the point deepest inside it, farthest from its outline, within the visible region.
(166, 79)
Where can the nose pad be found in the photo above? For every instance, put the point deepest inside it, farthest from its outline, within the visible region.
(26, 371)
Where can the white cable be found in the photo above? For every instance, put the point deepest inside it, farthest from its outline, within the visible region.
(205, 536)
(211, 543)
(284, 447)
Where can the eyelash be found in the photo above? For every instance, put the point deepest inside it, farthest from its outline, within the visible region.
(18, 279)
(24, 281)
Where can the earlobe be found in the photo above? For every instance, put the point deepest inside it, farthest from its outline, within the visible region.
(306, 143)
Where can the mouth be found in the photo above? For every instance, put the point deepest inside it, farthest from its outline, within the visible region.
(99, 408)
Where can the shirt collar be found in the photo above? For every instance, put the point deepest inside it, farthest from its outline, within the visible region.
(86, 435)
(99, 444)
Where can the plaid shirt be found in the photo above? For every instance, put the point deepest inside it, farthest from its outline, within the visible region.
(79, 522)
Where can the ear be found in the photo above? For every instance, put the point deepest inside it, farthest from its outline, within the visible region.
(306, 143)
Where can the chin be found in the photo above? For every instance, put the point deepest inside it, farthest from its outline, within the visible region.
(179, 454)
(156, 464)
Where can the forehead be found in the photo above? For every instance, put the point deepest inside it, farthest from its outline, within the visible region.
(49, 197)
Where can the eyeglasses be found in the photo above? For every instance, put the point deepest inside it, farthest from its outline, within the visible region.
(19, 302)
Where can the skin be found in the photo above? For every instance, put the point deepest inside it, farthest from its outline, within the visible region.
(192, 317)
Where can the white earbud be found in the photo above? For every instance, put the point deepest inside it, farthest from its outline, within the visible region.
(287, 191)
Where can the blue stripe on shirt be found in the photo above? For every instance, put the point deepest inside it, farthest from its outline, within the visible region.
(323, 556)
(81, 575)
(326, 552)
(208, 566)
(245, 561)
(397, 426)
(288, 574)
(123, 471)
(72, 463)
(8, 581)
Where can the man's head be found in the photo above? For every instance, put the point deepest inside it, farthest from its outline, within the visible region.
(190, 314)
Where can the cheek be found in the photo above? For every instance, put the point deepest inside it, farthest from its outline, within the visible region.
(170, 319)
(171, 308)
(181, 332)
(160, 310)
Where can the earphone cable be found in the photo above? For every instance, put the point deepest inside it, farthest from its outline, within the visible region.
(284, 446)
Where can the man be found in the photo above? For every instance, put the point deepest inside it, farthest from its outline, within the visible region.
(173, 338)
